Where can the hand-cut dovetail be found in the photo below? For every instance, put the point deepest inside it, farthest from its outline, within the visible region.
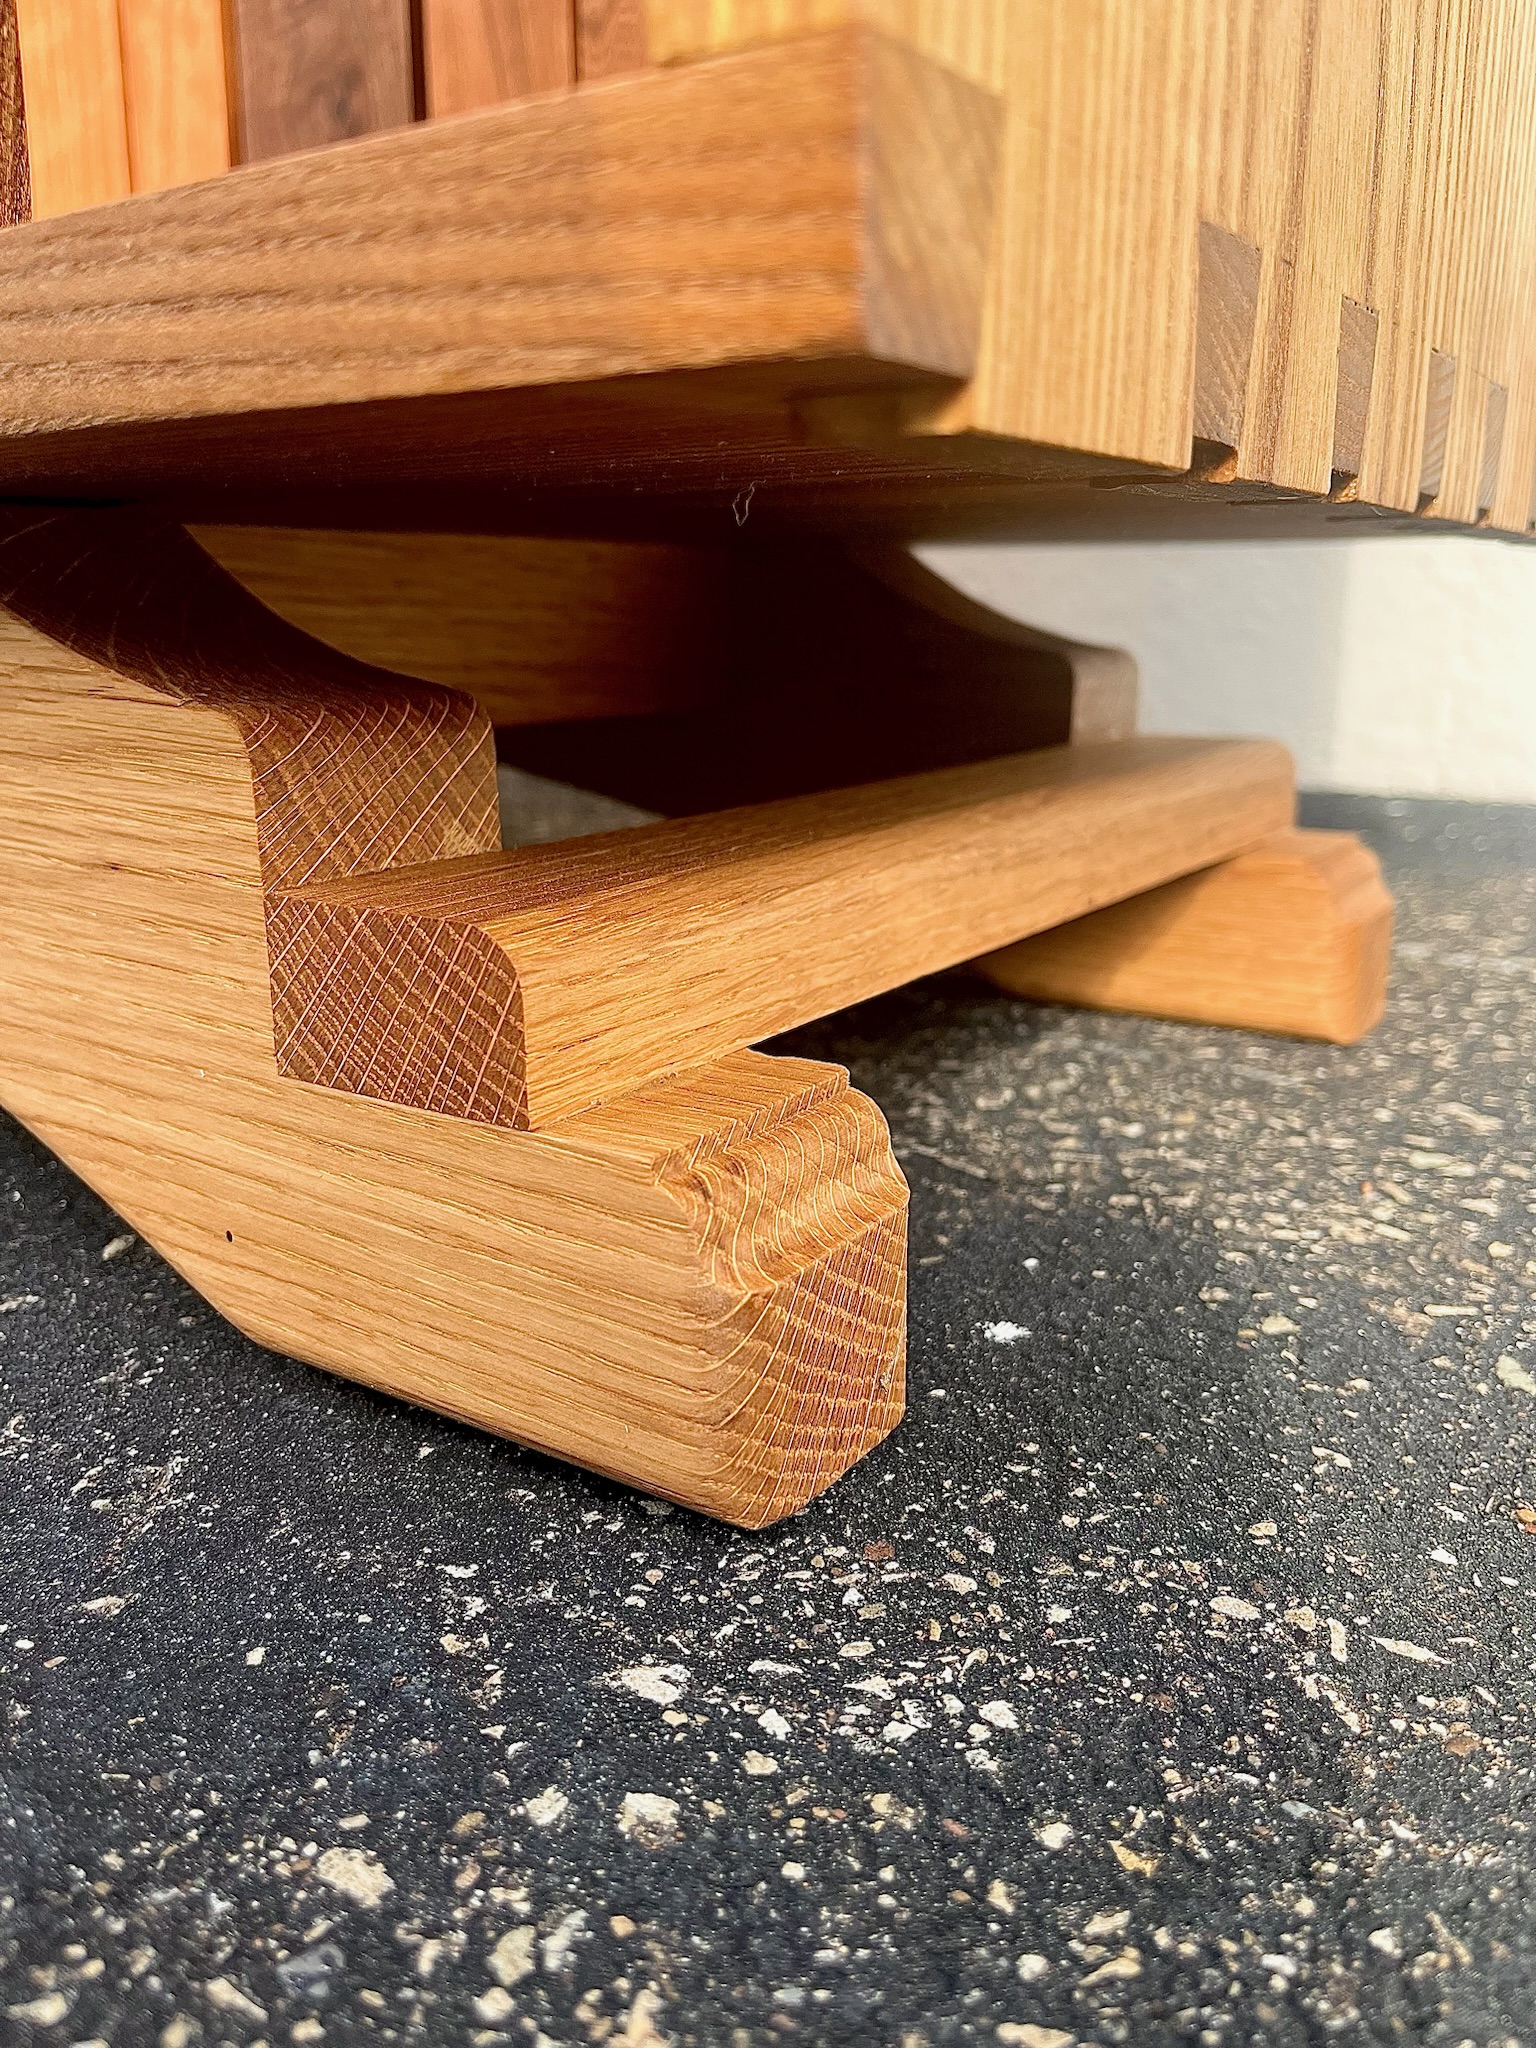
(1226, 316)
(1439, 398)
(1358, 327)
(1495, 412)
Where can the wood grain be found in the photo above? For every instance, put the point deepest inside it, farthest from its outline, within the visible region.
(520, 988)
(698, 1289)
(892, 668)
(1372, 150)
(1495, 420)
(533, 629)
(1439, 408)
(1352, 405)
(610, 37)
(1372, 155)
(1227, 312)
(15, 171)
(1292, 937)
(756, 237)
(477, 53)
(72, 80)
(175, 91)
(307, 74)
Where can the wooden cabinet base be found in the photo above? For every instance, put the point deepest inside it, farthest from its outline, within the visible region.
(1293, 937)
(482, 1129)
(698, 1288)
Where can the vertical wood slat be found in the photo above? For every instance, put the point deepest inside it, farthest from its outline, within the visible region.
(610, 37)
(175, 91)
(72, 81)
(15, 172)
(307, 74)
(477, 53)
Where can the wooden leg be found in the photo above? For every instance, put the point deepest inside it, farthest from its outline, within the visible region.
(698, 1288)
(1293, 937)
(481, 1128)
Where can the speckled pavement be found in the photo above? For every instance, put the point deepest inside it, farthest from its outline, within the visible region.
(1166, 1678)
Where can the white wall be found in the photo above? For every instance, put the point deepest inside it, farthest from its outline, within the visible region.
(1395, 667)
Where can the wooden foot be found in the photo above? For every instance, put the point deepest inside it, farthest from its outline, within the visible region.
(482, 1128)
(698, 1288)
(1293, 937)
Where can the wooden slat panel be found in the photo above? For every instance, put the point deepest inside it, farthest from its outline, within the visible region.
(610, 37)
(308, 73)
(478, 53)
(15, 172)
(175, 90)
(77, 129)
(525, 986)
(1375, 151)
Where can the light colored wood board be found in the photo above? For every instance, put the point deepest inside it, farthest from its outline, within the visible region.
(826, 203)
(1292, 937)
(72, 82)
(698, 1289)
(610, 37)
(532, 629)
(176, 91)
(523, 987)
(309, 72)
(477, 53)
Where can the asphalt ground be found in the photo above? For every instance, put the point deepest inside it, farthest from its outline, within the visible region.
(1166, 1677)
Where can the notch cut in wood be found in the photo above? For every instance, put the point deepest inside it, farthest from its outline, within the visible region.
(1227, 308)
(1439, 404)
(1358, 330)
(1292, 937)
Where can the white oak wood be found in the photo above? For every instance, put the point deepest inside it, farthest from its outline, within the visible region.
(522, 987)
(1292, 937)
